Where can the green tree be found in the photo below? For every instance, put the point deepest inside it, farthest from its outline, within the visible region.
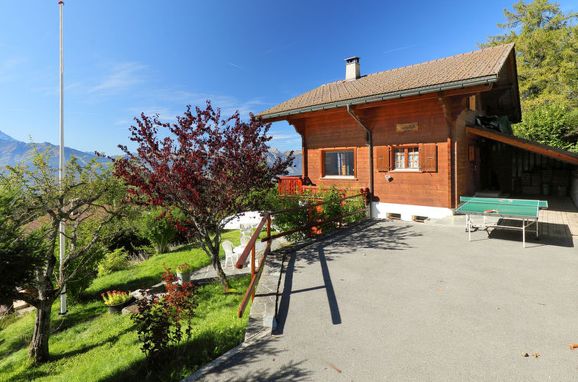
(18, 251)
(158, 226)
(550, 123)
(546, 41)
(88, 200)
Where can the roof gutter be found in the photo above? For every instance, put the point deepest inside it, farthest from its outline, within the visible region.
(387, 96)
(369, 139)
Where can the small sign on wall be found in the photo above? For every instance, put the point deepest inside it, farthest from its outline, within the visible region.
(404, 127)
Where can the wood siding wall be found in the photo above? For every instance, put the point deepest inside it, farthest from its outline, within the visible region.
(336, 129)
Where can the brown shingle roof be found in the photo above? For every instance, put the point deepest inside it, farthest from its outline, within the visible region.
(476, 67)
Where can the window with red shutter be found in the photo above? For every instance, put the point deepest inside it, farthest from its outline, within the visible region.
(382, 158)
(428, 158)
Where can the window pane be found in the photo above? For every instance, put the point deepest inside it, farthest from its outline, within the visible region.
(413, 158)
(399, 158)
(339, 163)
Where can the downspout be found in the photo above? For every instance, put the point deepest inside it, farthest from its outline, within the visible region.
(369, 140)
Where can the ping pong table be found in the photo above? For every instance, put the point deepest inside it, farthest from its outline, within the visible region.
(518, 209)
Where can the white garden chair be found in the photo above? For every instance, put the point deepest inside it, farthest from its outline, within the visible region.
(230, 255)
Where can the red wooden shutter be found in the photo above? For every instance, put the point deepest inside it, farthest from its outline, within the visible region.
(382, 158)
(428, 157)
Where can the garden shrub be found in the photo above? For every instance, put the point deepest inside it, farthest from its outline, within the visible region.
(303, 212)
(116, 260)
(158, 226)
(164, 322)
(351, 205)
(128, 235)
(332, 209)
(263, 200)
(298, 216)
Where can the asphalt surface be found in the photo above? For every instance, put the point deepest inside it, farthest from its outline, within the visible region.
(398, 301)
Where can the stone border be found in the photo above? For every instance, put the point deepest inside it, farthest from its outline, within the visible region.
(224, 358)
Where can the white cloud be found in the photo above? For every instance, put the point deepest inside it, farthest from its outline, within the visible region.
(120, 77)
(400, 48)
(178, 98)
(234, 65)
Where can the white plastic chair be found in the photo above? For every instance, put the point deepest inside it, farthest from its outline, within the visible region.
(230, 255)
(246, 233)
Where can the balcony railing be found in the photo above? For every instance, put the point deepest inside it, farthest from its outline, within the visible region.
(290, 185)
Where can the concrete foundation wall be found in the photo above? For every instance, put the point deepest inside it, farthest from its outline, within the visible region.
(408, 211)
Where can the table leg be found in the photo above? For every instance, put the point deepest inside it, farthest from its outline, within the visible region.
(537, 229)
(469, 224)
(523, 233)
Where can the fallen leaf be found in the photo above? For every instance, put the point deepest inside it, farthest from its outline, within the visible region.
(525, 355)
(573, 346)
(334, 367)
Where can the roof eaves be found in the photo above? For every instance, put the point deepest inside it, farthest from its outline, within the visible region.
(387, 96)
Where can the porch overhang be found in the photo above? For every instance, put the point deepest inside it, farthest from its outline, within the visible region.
(538, 148)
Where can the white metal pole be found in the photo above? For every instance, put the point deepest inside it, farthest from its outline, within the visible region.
(61, 164)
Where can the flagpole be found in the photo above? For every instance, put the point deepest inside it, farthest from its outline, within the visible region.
(61, 164)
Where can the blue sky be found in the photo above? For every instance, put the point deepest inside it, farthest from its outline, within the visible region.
(131, 56)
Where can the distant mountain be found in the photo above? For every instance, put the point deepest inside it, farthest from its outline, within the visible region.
(297, 162)
(5, 137)
(13, 152)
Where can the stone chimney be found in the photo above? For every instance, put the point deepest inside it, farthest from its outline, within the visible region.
(352, 68)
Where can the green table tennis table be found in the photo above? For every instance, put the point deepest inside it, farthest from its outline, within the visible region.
(518, 209)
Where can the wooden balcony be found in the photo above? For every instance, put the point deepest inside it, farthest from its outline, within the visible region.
(295, 185)
(290, 185)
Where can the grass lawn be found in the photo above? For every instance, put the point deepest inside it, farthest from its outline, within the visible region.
(149, 272)
(91, 345)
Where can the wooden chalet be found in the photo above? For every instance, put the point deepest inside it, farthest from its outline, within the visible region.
(421, 136)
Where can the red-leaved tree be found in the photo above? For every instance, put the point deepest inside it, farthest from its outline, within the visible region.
(204, 165)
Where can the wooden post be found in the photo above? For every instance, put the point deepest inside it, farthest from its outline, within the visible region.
(253, 269)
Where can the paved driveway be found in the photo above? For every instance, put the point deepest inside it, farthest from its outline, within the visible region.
(394, 301)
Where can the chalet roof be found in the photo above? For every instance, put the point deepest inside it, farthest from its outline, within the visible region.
(467, 69)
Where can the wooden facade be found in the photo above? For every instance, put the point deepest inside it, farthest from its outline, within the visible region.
(435, 118)
(417, 150)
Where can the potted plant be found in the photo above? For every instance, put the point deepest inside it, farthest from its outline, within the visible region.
(116, 300)
(184, 273)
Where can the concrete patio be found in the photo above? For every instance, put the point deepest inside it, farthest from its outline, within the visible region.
(397, 301)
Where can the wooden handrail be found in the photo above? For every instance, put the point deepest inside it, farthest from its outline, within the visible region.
(251, 249)
(251, 243)
(250, 292)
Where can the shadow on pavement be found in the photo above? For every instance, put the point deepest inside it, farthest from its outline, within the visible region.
(291, 371)
(368, 234)
(553, 234)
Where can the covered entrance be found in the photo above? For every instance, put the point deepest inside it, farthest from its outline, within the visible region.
(516, 168)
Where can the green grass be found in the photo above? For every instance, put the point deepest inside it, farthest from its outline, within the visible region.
(92, 345)
(148, 273)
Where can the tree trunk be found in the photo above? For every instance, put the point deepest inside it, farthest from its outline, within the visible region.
(39, 344)
(217, 266)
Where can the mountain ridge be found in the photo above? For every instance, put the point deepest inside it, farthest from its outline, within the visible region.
(14, 152)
